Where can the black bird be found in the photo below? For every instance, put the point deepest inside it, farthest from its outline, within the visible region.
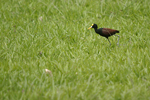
(105, 32)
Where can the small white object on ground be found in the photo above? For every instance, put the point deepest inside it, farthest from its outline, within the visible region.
(48, 71)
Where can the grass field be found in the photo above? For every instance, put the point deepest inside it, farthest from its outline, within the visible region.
(53, 34)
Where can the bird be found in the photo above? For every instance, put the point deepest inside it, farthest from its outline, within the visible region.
(105, 32)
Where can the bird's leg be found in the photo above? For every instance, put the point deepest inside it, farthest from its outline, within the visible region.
(109, 41)
(118, 39)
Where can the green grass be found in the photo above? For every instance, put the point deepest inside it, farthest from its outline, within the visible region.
(43, 34)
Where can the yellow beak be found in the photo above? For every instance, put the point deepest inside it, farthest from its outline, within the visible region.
(89, 27)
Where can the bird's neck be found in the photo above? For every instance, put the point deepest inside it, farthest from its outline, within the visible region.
(95, 30)
(98, 31)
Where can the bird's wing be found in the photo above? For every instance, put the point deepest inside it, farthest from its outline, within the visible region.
(109, 32)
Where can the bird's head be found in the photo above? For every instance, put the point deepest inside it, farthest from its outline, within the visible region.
(93, 26)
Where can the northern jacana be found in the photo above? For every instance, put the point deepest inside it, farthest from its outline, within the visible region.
(105, 32)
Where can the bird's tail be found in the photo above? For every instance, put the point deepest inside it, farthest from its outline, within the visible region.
(117, 31)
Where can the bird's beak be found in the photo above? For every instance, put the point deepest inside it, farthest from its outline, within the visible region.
(89, 27)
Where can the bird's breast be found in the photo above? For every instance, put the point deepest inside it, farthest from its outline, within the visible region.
(99, 31)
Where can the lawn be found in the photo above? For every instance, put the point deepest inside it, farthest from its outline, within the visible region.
(53, 34)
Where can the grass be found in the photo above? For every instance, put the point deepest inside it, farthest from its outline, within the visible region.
(42, 34)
